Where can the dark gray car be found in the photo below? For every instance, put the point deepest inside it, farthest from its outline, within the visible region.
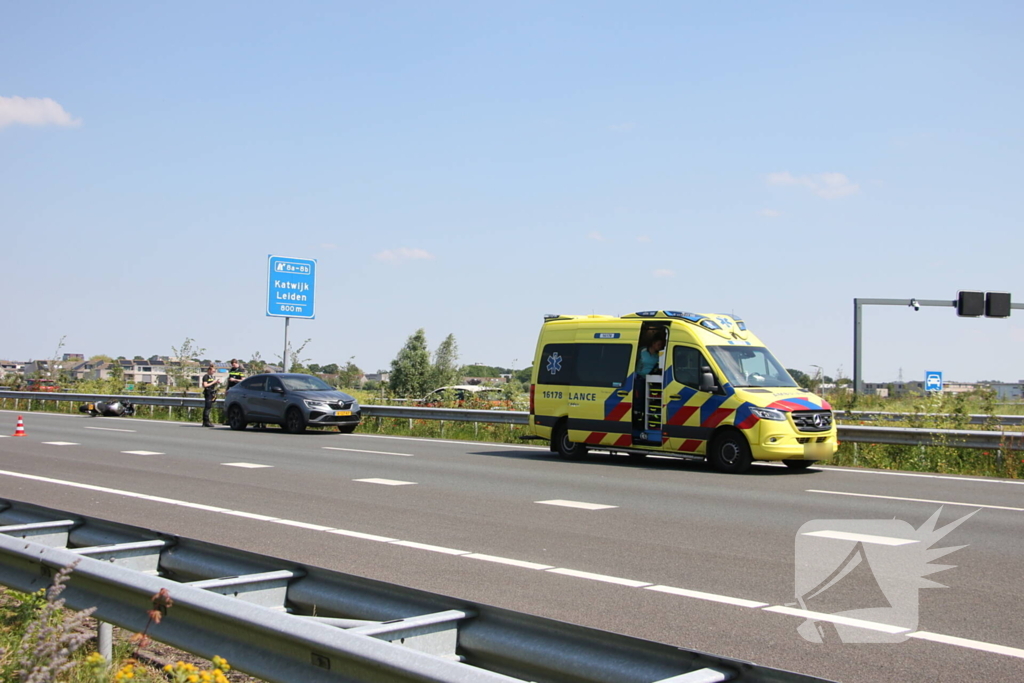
(293, 401)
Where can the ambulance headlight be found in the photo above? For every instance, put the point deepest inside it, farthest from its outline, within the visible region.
(769, 414)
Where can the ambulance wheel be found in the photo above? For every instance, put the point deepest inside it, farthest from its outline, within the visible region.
(566, 449)
(799, 464)
(730, 453)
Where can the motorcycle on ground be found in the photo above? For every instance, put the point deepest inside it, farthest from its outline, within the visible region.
(108, 408)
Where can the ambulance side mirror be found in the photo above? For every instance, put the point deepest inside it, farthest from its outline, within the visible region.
(707, 380)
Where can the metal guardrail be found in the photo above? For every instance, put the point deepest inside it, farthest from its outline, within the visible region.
(974, 419)
(959, 438)
(258, 613)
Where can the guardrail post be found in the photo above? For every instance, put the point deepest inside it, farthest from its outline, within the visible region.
(105, 639)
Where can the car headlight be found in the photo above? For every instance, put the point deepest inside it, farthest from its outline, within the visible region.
(316, 404)
(769, 414)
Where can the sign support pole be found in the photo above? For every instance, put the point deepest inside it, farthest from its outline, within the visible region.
(284, 357)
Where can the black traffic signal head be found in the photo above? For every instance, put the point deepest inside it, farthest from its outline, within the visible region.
(997, 304)
(971, 304)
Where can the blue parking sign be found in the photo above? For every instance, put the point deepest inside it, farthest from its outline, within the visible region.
(932, 381)
(291, 284)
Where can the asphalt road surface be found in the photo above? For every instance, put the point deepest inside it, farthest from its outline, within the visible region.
(663, 549)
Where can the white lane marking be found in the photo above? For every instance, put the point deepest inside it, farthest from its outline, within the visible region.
(61, 443)
(951, 640)
(699, 595)
(576, 504)
(356, 450)
(964, 642)
(506, 560)
(836, 619)
(863, 538)
(976, 480)
(4, 436)
(431, 548)
(111, 429)
(600, 577)
(917, 500)
(359, 534)
(247, 465)
(386, 482)
(142, 453)
(460, 443)
(302, 525)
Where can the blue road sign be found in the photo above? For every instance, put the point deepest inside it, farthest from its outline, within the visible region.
(932, 381)
(291, 283)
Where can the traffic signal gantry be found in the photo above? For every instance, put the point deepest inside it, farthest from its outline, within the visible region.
(968, 304)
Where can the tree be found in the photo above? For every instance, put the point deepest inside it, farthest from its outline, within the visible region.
(183, 365)
(315, 368)
(411, 369)
(256, 364)
(445, 370)
(349, 376)
(297, 364)
(329, 369)
(801, 378)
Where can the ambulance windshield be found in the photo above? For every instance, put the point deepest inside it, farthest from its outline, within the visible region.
(751, 366)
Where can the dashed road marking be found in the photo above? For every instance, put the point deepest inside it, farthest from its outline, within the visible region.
(246, 465)
(61, 443)
(386, 482)
(111, 429)
(356, 450)
(700, 595)
(971, 644)
(917, 500)
(142, 453)
(576, 504)
(506, 560)
(599, 577)
(431, 548)
(861, 538)
(836, 619)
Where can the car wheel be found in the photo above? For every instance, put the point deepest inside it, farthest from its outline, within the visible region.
(566, 449)
(799, 464)
(730, 453)
(294, 422)
(236, 418)
(347, 429)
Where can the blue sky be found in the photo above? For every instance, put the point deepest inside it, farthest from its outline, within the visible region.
(467, 167)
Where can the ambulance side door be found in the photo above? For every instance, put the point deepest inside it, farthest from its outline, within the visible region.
(689, 412)
(554, 376)
(600, 398)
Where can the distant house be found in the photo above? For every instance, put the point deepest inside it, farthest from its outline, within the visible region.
(1006, 391)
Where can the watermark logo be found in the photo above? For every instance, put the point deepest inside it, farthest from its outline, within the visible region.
(861, 575)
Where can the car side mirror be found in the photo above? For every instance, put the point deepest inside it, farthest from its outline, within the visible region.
(707, 380)
(277, 390)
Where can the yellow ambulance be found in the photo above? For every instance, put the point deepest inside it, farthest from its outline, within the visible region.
(690, 385)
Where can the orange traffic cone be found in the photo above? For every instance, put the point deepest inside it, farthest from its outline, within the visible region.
(20, 430)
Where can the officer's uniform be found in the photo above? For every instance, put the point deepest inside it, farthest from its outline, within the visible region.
(235, 377)
(209, 396)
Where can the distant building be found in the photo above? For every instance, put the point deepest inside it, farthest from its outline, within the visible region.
(1008, 391)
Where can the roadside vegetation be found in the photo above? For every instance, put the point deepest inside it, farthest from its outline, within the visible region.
(41, 641)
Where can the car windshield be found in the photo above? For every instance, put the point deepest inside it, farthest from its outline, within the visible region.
(306, 383)
(751, 366)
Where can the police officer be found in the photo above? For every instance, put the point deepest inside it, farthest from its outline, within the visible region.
(210, 382)
(235, 376)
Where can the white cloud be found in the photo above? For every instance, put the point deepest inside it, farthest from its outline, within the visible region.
(402, 254)
(596, 236)
(769, 213)
(664, 272)
(34, 111)
(825, 185)
(643, 238)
